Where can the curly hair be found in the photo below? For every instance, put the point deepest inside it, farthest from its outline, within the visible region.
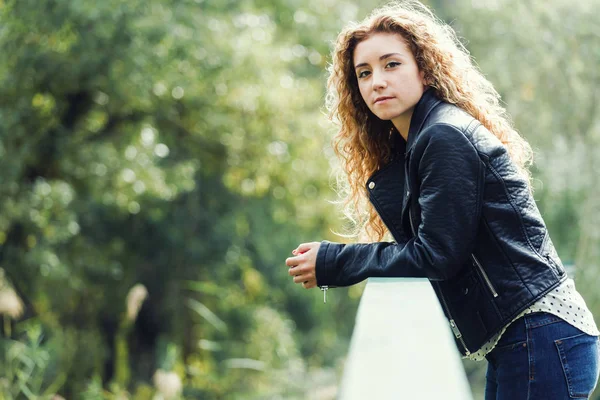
(363, 141)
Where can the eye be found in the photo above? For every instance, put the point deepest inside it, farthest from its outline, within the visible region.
(392, 64)
(363, 74)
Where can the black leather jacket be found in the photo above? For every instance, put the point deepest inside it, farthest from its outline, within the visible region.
(462, 216)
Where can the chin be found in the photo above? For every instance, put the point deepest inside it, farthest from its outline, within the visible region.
(386, 116)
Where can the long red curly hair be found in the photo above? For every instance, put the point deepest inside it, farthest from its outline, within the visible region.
(363, 140)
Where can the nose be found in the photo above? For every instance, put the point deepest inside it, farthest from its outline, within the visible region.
(378, 81)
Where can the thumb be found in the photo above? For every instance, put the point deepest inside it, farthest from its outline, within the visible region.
(304, 247)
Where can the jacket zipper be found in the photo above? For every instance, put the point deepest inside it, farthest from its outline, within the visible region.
(412, 227)
(324, 289)
(485, 276)
(453, 326)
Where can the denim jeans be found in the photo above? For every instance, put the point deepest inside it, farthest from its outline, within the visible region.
(540, 356)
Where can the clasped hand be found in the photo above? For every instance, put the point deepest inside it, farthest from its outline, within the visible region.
(302, 265)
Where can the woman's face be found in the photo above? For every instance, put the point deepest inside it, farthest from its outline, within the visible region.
(389, 79)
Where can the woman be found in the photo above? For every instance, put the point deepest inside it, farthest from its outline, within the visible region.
(422, 136)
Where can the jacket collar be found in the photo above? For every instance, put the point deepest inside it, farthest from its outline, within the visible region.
(424, 106)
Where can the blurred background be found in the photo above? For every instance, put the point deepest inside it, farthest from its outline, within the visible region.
(160, 159)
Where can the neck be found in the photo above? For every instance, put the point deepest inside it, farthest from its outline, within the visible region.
(402, 124)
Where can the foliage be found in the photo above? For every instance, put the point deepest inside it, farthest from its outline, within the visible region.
(180, 145)
(146, 142)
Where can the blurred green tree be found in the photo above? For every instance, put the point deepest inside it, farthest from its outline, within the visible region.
(159, 160)
(169, 144)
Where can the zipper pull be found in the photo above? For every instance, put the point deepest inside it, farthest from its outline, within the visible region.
(455, 330)
(324, 290)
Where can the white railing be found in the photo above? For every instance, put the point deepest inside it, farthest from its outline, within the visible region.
(402, 346)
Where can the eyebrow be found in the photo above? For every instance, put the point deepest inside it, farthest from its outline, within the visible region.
(383, 57)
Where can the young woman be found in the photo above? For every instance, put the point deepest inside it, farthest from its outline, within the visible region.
(423, 137)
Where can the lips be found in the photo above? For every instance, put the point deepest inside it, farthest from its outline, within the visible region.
(382, 99)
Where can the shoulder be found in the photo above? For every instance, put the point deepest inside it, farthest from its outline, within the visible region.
(445, 138)
(452, 116)
(454, 128)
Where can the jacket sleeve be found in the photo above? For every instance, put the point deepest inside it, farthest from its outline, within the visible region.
(451, 176)
(346, 264)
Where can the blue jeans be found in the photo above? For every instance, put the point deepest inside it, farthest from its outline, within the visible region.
(540, 356)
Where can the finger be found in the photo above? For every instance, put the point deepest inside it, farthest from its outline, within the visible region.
(294, 271)
(292, 261)
(311, 283)
(304, 247)
(297, 252)
(301, 278)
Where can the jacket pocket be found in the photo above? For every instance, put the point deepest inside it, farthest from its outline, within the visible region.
(470, 306)
(549, 254)
(579, 357)
(484, 275)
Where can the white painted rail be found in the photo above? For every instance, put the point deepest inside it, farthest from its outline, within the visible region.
(402, 346)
